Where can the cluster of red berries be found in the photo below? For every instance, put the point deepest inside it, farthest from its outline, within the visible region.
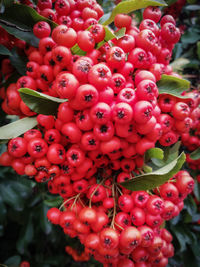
(175, 9)
(77, 256)
(113, 115)
(10, 41)
(127, 231)
(180, 117)
(191, 139)
(78, 15)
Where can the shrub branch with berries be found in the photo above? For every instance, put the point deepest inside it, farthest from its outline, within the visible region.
(101, 112)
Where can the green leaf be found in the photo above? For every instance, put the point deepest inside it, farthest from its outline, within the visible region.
(146, 168)
(7, 3)
(26, 236)
(179, 64)
(195, 154)
(45, 225)
(53, 202)
(170, 153)
(190, 36)
(2, 210)
(11, 197)
(170, 2)
(11, 79)
(129, 6)
(109, 35)
(19, 20)
(18, 61)
(197, 190)
(13, 261)
(120, 33)
(39, 102)
(173, 86)
(198, 50)
(192, 7)
(4, 51)
(152, 180)
(181, 236)
(190, 205)
(17, 128)
(77, 51)
(155, 152)
(23, 186)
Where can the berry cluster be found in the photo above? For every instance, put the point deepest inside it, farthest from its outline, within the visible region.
(175, 9)
(129, 230)
(77, 256)
(113, 115)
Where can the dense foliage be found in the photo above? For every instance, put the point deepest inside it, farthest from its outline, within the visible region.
(25, 231)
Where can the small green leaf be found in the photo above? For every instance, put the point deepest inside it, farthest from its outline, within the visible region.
(192, 7)
(39, 102)
(25, 236)
(53, 202)
(154, 152)
(18, 61)
(109, 35)
(77, 51)
(19, 20)
(198, 50)
(190, 36)
(197, 190)
(170, 2)
(11, 79)
(129, 6)
(152, 180)
(179, 63)
(8, 3)
(146, 168)
(45, 225)
(17, 128)
(11, 197)
(13, 261)
(120, 33)
(4, 51)
(173, 86)
(2, 210)
(195, 154)
(170, 153)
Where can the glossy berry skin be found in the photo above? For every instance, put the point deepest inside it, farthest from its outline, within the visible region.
(87, 216)
(86, 41)
(137, 216)
(122, 20)
(56, 154)
(153, 13)
(115, 57)
(125, 202)
(24, 264)
(41, 29)
(87, 95)
(53, 215)
(142, 112)
(109, 238)
(122, 113)
(130, 237)
(170, 33)
(17, 147)
(64, 36)
(99, 76)
(100, 113)
(37, 147)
